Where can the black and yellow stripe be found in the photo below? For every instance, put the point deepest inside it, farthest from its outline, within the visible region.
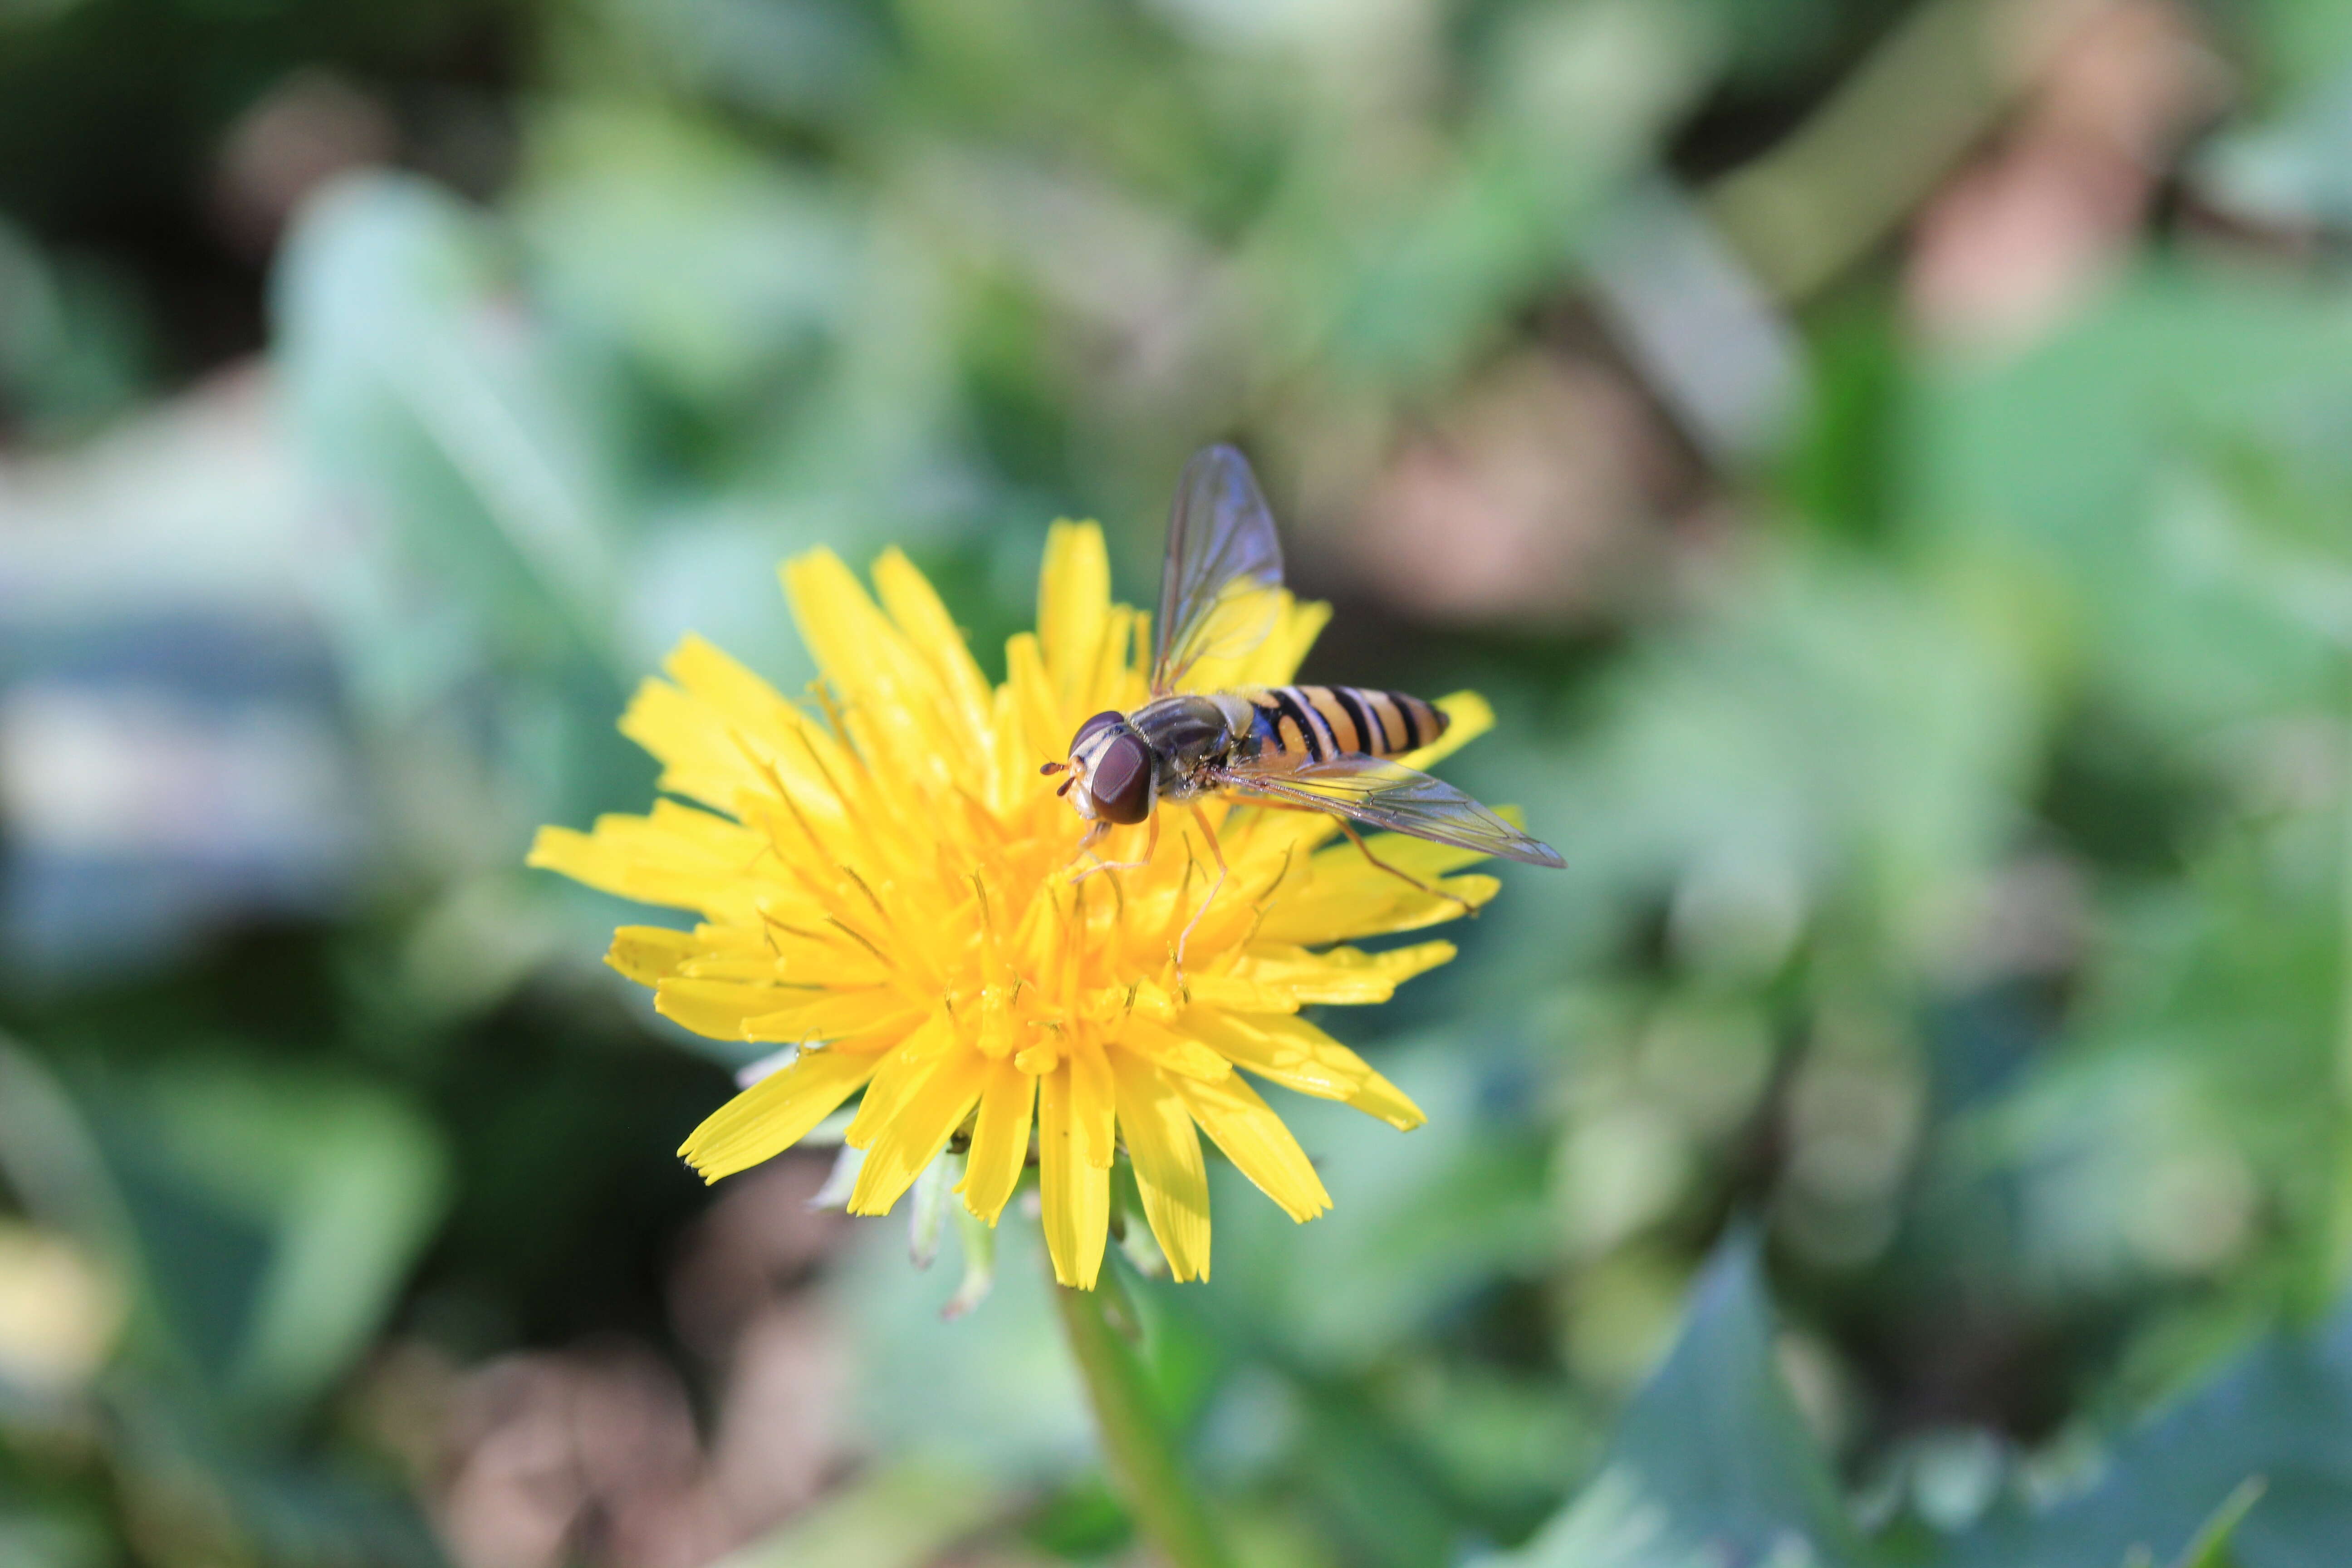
(1314, 723)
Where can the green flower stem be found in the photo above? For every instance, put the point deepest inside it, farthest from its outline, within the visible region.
(1136, 1440)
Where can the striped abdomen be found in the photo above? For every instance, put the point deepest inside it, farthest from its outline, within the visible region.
(1317, 723)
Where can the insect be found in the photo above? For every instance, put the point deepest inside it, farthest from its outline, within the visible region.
(1313, 748)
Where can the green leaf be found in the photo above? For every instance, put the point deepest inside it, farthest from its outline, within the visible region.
(705, 264)
(2178, 1487)
(1838, 734)
(2211, 1547)
(2091, 471)
(1713, 1463)
(418, 395)
(277, 1216)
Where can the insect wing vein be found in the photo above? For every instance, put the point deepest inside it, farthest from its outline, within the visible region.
(1388, 794)
(1222, 553)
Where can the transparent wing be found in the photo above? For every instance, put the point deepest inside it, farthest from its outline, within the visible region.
(1216, 592)
(1382, 793)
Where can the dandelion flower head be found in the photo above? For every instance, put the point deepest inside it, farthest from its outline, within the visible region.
(883, 879)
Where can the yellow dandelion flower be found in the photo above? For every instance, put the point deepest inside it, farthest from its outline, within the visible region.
(883, 880)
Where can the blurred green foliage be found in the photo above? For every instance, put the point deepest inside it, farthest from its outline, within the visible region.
(1916, 1128)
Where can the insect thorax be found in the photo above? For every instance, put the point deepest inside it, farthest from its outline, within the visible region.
(1188, 731)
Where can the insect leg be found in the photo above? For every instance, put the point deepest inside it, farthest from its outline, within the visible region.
(1217, 852)
(1093, 837)
(1357, 838)
(1151, 848)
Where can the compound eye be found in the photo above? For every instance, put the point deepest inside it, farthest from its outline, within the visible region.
(1093, 727)
(1122, 782)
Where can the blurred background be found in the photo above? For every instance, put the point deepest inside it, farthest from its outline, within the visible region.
(1889, 463)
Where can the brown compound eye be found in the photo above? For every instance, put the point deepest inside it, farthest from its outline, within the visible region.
(1093, 727)
(1122, 782)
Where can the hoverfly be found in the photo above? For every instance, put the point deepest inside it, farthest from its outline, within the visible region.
(1313, 748)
